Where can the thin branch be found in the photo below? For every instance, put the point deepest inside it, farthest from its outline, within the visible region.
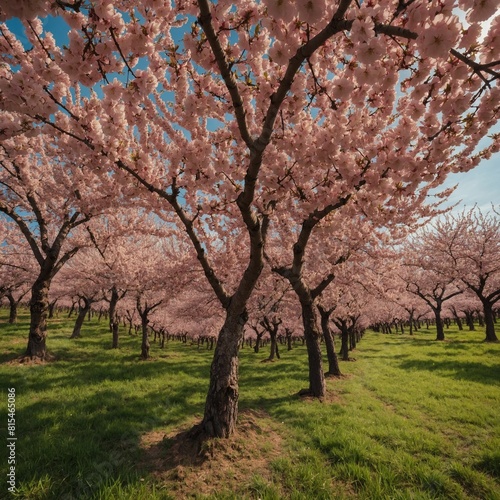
(205, 20)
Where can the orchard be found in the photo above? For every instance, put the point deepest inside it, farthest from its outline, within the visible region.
(254, 175)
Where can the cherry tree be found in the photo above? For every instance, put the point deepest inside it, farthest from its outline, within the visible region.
(268, 307)
(48, 196)
(463, 307)
(16, 267)
(263, 106)
(423, 277)
(468, 245)
(385, 281)
(78, 277)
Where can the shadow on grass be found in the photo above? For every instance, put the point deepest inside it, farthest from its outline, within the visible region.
(490, 463)
(89, 436)
(460, 370)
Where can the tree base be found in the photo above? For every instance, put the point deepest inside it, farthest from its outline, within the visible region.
(308, 394)
(26, 359)
(333, 375)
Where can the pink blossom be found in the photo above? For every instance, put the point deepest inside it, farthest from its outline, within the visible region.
(280, 53)
(362, 30)
(371, 51)
(439, 37)
(281, 9)
(470, 36)
(482, 10)
(311, 11)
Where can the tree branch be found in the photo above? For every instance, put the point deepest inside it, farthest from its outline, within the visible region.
(205, 20)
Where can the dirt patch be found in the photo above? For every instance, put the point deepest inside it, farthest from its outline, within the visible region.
(28, 361)
(186, 467)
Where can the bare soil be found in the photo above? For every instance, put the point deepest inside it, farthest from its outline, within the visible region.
(188, 467)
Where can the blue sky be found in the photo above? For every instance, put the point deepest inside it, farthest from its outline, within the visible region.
(479, 186)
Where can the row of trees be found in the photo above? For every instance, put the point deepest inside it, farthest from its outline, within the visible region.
(263, 135)
(449, 269)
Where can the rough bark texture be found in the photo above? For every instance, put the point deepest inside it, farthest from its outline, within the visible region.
(39, 306)
(312, 335)
(221, 407)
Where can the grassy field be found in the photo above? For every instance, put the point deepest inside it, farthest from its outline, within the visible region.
(411, 419)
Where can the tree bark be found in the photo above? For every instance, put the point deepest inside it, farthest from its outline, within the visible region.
(113, 301)
(344, 332)
(274, 353)
(469, 316)
(489, 322)
(439, 324)
(410, 321)
(145, 339)
(333, 361)
(288, 338)
(39, 306)
(13, 306)
(114, 327)
(221, 407)
(80, 318)
(312, 335)
(52, 307)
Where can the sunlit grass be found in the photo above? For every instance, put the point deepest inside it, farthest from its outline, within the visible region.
(412, 419)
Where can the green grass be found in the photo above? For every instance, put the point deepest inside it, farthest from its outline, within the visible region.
(413, 418)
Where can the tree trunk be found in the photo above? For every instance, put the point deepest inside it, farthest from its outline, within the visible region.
(52, 307)
(113, 301)
(288, 339)
(80, 318)
(480, 319)
(344, 348)
(333, 360)
(273, 332)
(114, 327)
(72, 309)
(145, 338)
(39, 306)
(489, 322)
(352, 339)
(312, 336)
(221, 407)
(13, 304)
(469, 319)
(439, 324)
